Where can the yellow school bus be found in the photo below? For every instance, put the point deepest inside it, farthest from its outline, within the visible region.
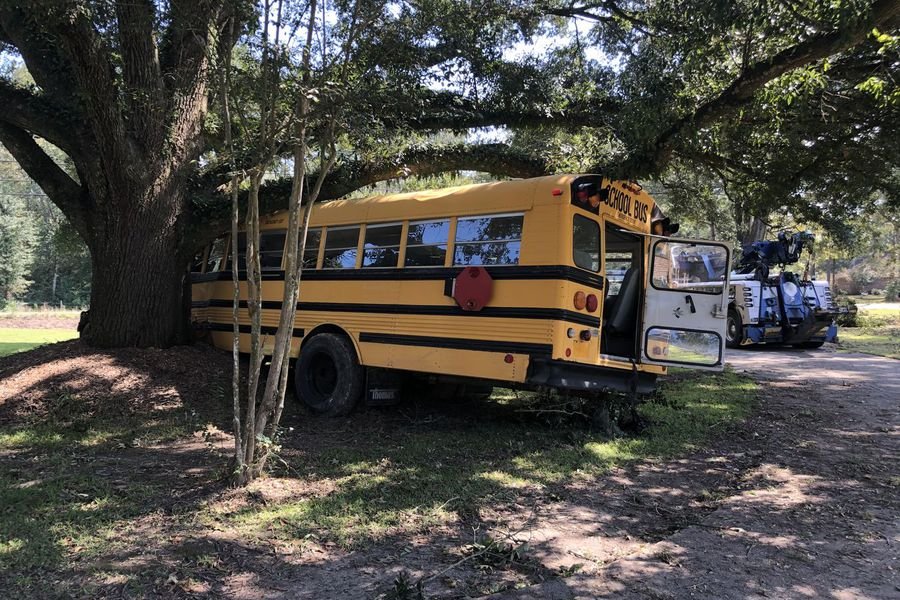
(551, 282)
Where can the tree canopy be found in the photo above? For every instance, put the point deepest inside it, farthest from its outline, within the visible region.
(790, 104)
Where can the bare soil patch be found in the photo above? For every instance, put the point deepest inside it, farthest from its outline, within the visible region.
(39, 322)
(810, 510)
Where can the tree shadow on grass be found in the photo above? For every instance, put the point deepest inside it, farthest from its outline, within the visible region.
(104, 487)
(132, 506)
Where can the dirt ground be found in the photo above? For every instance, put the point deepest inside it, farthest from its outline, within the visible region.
(802, 500)
(805, 497)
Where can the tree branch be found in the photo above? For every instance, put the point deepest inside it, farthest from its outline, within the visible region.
(56, 183)
(447, 110)
(195, 28)
(718, 161)
(497, 159)
(38, 115)
(50, 70)
(88, 58)
(615, 14)
(211, 212)
(140, 68)
(752, 79)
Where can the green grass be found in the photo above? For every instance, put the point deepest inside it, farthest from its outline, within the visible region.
(17, 340)
(408, 482)
(881, 341)
(57, 506)
(878, 332)
(861, 299)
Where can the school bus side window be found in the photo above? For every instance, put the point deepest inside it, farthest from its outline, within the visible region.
(311, 252)
(426, 243)
(198, 262)
(586, 243)
(382, 245)
(340, 247)
(488, 240)
(271, 248)
(216, 252)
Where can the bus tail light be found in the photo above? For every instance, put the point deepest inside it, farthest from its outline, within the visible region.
(591, 303)
(580, 301)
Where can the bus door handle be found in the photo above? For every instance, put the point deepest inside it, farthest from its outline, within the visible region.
(689, 300)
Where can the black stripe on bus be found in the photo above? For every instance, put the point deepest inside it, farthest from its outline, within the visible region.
(457, 343)
(556, 314)
(264, 329)
(511, 272)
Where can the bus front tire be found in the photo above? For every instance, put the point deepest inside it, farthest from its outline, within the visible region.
(328, 378)
(734, 329)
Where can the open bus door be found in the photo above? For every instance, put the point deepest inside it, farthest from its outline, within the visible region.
(685, 304)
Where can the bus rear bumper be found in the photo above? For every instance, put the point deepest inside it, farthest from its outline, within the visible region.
(577, 377)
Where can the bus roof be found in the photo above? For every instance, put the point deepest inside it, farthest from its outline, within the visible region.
(506, 196)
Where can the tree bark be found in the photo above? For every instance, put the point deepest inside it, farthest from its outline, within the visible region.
(138, 275)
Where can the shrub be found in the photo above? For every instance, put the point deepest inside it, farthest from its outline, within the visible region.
(849, 318)
(892, 291)
(860, 280)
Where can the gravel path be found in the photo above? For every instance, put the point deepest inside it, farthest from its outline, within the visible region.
(814, 508)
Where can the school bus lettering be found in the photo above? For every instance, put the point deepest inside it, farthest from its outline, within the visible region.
(621, 201)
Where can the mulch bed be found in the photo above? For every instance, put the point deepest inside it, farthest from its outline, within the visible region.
(72, 377)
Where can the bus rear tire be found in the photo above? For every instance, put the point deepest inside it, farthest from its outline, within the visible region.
(328, 378)
(734, 329)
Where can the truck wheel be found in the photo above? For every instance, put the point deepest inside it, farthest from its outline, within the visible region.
(809, 345)
(734, 329)
(328, 378)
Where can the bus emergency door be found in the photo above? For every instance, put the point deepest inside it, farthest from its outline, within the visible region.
(685, 304)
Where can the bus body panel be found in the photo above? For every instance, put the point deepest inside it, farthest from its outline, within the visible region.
(403, 318)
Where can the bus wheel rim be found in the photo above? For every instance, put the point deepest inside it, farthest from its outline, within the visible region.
(323, 375)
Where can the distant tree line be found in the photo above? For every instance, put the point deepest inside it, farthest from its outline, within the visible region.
(42, 258)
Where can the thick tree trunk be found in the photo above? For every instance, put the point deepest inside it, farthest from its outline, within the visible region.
(138, 284)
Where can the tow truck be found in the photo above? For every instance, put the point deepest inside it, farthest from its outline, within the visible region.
(778, 309)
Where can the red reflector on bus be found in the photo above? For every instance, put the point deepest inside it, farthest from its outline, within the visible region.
(579, 301)
(508, 358)
(591, 303)
(557, 192)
